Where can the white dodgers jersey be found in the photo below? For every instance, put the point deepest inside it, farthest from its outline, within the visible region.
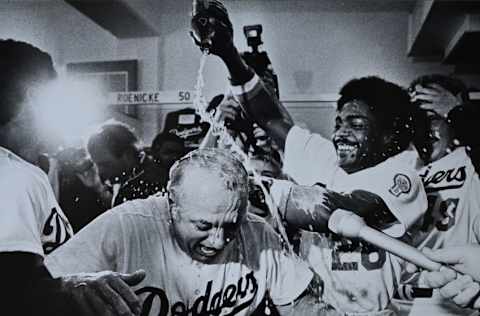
(453, 190)
(358, 278)
(453, 217)
(30, 217)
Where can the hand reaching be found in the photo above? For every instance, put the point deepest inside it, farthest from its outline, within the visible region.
(436, 98)
(464, 289)
(228, 110)
(105, 293)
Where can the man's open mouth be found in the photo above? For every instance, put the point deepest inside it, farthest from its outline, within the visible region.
(345, 148)
(207, 251)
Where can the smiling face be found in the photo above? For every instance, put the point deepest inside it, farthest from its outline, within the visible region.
(206, 214)
(353, 136)
(441, 136)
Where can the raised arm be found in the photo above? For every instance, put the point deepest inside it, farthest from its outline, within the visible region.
(261, 105)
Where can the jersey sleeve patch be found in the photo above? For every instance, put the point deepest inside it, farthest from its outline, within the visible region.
(401, 185)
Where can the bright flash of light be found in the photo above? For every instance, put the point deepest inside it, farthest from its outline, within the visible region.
(67, 107)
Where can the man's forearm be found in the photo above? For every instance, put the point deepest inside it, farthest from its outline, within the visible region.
(305, 209)
(266, 110)
(263, 107)
(51, 297)
(28, 288)
(309, 208)
(239, 72)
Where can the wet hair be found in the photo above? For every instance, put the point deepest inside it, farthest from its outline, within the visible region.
(452, 84)
(222, 162)
(271, 159)
(117, 137)
(391, 108)
(22, 66)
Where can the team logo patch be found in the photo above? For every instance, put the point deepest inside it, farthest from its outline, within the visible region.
(401, 184)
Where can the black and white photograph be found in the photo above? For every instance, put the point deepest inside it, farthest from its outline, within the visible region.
(239, 157)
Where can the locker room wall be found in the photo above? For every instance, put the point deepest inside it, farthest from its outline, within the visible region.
(317, 116)
(313, 50)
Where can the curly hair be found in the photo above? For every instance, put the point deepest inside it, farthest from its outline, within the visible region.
(389, 104)
(22, 66)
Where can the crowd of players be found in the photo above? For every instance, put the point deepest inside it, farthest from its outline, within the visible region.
(160, 231)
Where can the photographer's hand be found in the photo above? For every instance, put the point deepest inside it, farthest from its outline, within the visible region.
(91, 179)
(228, 110)
(262, 139)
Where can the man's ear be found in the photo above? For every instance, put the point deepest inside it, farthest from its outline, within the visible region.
(173, 208)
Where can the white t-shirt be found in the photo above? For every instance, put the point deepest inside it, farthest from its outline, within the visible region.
(31, 219)
(138, 235)
(357, 280)
(453, 217)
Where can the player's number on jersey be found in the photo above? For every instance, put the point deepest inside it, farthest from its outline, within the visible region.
(370, 260)
(441, 212)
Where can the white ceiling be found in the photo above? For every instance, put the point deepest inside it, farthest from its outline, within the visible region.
(136, 18)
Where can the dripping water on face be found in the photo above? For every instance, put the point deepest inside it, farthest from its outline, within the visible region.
(218, 129)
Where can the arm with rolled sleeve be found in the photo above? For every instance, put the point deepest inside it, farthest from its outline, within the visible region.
(264, 108)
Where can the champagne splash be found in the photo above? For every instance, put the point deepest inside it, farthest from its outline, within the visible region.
(218, 129)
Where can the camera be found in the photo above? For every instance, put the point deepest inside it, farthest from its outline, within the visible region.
(258, 59)
(253, 33)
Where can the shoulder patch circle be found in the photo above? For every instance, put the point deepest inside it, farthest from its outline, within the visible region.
(401, 184)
